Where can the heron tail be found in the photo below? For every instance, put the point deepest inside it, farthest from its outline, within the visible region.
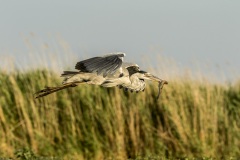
(69, 73)
(49, 90)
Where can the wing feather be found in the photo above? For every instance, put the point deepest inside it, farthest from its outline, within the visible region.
(102, 65)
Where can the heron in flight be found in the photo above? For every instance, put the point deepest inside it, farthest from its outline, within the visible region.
(106, 71)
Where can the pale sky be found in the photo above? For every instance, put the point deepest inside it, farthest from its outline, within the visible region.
(206, 31)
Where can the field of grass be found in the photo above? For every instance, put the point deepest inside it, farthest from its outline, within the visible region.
(191, 119)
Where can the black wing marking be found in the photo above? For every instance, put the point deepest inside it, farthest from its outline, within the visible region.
(132, 69)
(102, 65)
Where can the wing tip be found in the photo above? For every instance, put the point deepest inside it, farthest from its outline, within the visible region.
(80, 66)
(119, 54)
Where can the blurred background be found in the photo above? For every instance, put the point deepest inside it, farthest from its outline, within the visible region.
(198, 35)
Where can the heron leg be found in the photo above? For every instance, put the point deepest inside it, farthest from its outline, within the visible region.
(49, 90)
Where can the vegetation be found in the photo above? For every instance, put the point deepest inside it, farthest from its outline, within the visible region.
(191, 119)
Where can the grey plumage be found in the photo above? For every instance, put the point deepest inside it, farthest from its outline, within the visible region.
(105, 65)
(106, 71)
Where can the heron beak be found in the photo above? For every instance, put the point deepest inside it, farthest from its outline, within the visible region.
(154, 78)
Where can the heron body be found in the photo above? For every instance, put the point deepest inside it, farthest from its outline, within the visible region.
(106, 71)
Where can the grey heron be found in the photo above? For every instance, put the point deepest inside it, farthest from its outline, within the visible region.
(106, 71)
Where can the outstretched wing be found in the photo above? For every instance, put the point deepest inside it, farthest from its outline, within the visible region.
(102, 65)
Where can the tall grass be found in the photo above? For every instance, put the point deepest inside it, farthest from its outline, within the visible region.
(191, 119)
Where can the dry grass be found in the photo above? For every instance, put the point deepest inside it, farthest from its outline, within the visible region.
(191, 119)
